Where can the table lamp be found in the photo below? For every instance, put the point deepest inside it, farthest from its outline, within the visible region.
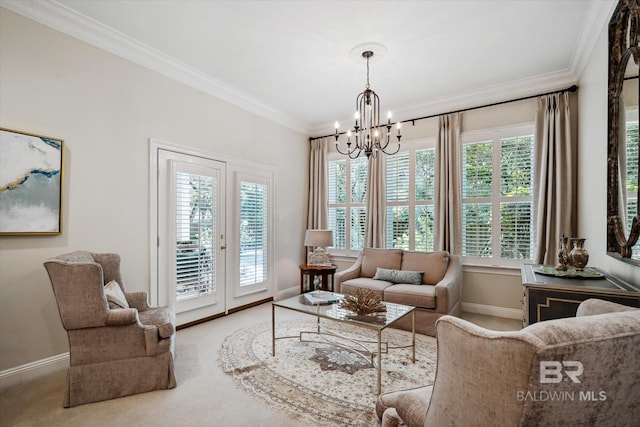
(319, 239)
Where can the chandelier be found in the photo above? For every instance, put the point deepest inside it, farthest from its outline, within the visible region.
(368, 135)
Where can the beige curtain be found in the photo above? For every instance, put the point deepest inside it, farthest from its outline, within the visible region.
(374, 231)
(317, 210)
(448, 202)
(555, 187)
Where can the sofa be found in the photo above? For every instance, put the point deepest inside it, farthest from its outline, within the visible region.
(577, 371)
(430, 281)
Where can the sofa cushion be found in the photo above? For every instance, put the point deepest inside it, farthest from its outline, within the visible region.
(434, 264)
(399, 276)
(383, 258)
(378, 286)
(423, 296)
(115, 296)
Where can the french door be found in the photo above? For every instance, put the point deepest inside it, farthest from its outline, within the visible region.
(191, 235)
(215, 233)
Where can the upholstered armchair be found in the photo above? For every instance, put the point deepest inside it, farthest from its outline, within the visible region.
(118, 345)
(575, 371)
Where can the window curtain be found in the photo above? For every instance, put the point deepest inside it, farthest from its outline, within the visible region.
(448, 199)
(555, 187)
(317, 210)
(374, 231)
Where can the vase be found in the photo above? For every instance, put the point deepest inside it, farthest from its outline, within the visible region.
(579, 255)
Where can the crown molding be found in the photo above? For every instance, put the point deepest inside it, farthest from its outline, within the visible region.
(595, 22)
(476, 98)
(61, 18)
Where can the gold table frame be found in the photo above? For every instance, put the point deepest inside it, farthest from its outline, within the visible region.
(334, 313)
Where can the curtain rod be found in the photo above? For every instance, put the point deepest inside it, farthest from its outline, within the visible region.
(569, 89)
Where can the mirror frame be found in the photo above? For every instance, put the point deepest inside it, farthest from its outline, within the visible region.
(624, 22)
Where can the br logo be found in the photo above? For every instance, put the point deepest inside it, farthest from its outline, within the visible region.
(554, 372)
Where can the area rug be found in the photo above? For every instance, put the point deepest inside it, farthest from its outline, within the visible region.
(322, 383)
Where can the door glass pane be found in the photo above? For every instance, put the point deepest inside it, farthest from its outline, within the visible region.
(195, 225)
(253, 233)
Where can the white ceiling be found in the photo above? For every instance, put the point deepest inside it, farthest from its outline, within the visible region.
(290, 60)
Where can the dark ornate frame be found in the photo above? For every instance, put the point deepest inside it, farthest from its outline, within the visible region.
(624, 21)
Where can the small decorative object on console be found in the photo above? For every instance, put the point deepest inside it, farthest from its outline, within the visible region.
(579, 255)
(563, 254)
(363, 301)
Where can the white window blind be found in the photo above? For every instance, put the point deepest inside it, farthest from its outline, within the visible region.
(398, 189)
(516, 207)
(632, 176)
(337, 201)
(410, 191)
(347, 182)
(497, 197)
(253, 233)
(477, 179)
(195, 216)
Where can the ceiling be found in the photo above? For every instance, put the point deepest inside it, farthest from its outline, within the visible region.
(290, 61)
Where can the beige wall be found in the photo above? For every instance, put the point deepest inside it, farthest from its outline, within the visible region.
(106, 109)
(592, 160)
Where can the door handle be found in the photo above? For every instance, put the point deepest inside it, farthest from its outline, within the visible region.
(223, 247)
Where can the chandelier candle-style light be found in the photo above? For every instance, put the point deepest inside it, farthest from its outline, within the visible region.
(368, 135)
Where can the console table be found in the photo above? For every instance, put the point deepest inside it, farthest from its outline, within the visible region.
(324, 271)
(548, 297)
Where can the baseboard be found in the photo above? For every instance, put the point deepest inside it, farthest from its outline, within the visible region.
(22, 374)
(492, 310)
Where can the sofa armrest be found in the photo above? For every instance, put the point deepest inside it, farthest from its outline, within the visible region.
(594, 306)
(350, 273)
(122, 316)
(449, 289)
(137, 300)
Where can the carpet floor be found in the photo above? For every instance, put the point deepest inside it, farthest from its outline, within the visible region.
(321, 380)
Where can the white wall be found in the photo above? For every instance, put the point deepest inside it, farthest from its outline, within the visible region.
(106, 109)
(592, 164)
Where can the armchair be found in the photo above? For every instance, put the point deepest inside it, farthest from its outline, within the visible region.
(488, 378)
(115, 350)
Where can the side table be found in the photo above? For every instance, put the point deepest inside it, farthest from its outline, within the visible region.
(311, 271)
(547, 297)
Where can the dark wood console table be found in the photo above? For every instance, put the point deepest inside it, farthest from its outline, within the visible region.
(548, 297)
(324, 271)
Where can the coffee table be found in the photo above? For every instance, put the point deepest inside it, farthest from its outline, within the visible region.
(334, 313)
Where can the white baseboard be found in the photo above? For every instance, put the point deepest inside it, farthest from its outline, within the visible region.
(492, 310)
(21, 374)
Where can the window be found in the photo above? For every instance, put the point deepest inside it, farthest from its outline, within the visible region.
(497, 196)
(632, 174)
(253, 233)
(195, 216)
(410, 193)
(347, 181)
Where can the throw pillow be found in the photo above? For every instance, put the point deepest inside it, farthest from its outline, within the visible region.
(399, 276)
(115, 296)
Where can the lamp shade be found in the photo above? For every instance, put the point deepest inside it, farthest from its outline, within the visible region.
(319, 238)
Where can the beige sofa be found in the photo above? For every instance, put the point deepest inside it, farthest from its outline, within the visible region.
(439, 291)
(579, 371)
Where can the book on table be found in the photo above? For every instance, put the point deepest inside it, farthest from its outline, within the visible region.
(321, 297)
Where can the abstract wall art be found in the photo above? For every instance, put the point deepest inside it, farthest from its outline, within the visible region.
(30, 184)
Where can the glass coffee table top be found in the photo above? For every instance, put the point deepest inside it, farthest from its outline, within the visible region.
(334, 312)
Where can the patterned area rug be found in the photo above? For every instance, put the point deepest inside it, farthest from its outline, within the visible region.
(319, 382)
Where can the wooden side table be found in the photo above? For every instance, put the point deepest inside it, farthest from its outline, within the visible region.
(311, 271)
